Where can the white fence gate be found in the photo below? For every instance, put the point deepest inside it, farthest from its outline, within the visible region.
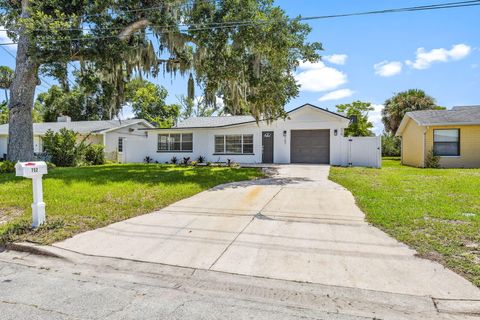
(362, 151)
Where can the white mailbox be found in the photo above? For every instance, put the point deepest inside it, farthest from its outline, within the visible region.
(34, 170)
(30, 169)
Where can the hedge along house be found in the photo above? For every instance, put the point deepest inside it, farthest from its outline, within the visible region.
(308, 135)
(109, 133)
(452, 135)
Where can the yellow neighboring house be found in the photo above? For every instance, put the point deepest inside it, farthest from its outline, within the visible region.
(453, 135)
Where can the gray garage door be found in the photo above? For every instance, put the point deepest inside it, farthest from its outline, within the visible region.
(310, 146)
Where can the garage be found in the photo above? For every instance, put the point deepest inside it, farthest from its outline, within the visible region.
(310, 146)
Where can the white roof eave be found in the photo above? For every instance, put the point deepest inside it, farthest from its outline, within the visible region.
(148, 124)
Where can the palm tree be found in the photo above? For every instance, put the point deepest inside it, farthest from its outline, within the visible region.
(6, 78)
(403, 102)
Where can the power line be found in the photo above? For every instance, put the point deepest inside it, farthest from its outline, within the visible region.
(233, 24)
(146, 33)
(124, 10)
(41, 79)
(447, 5)
(415, 8)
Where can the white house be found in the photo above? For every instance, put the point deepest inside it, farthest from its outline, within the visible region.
(109, 133)
(308, 135)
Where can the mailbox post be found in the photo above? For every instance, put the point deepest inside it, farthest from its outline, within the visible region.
(34, 171)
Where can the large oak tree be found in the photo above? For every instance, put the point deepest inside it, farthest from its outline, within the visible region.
(244, 51)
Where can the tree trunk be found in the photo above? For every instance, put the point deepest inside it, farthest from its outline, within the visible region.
(22, 92)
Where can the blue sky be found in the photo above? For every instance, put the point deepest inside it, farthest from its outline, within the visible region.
(369, 58)
(389, 41)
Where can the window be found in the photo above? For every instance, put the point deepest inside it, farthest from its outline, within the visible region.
(120, 145)
(219, 144)
(175, 142)
(446, 142)
(234, 144)
(187, 142)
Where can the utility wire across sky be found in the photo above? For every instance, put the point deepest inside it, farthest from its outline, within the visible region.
(242, 23)
(43, 82)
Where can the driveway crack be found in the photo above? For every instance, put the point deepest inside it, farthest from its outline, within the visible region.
(257, 215)
(231, 242)
(38, 307)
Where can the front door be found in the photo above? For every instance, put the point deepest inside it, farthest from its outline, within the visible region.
(267, 147)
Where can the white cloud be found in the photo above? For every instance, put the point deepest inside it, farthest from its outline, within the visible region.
(424, 59)
(388, 68)
(317, 77)
(336, 58)
(375, 117)
(5, 39)
(336, 95)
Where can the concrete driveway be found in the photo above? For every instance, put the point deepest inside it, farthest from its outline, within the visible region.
(297, 225)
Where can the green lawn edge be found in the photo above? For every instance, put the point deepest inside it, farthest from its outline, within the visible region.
(434, 211)
(85, 198)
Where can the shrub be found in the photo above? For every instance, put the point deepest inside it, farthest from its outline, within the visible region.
(186, 160)
(51, 166)
(193, 163)
(94, 154)
(432, 161)
(41, 156)
(209, 164)
(391, 145)
(63, 148)
(201, 159)
(148, 159)
(7, 167)
(174, 160)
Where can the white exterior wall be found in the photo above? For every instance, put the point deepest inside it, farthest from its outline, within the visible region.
(307, 118)
(3, 145)
(111, 138)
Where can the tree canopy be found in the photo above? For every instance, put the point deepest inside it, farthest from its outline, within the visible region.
(403, 102)
(242, 51)
(3, 113)
(85, 102)
(198, 108)
(357, 110)
(6, 78)
(148, 102)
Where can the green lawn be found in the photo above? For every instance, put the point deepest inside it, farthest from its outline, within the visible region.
(435, 211)
(80, 199)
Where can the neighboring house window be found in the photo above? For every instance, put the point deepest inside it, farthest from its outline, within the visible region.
(120, 144)
(234, 144)
(175, 142)
(446, 142)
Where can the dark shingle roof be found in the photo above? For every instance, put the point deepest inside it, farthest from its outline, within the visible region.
(82, 127)
(456, 115)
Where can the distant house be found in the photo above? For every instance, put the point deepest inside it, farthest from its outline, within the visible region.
(109, 133)
(453, 135)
